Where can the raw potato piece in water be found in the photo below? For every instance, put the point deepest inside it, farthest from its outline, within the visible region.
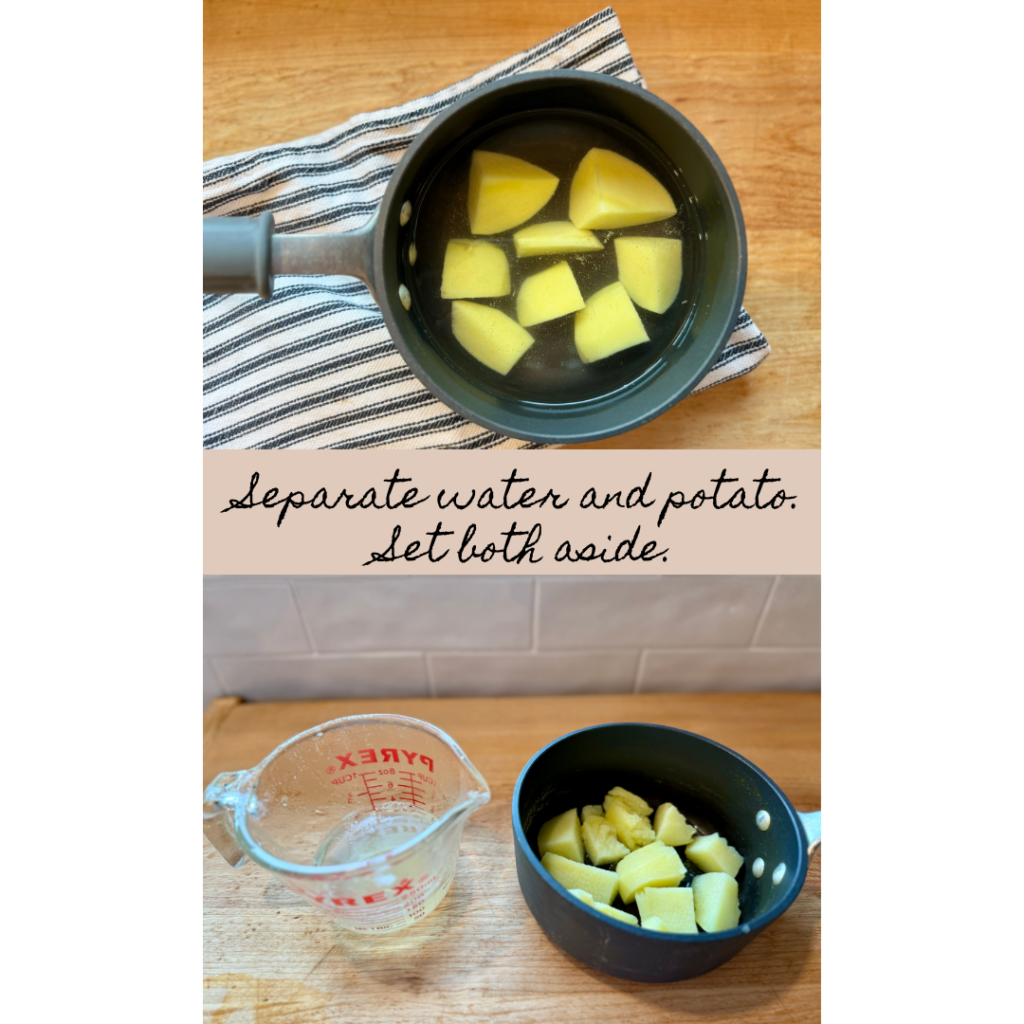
(488, 335)
(713, 853)
(651, 270)
(608, 324)
(716, 901)
(672, 906)
(561, 835)
(602, 885)
(554, 236)
(671, 827)
(474, 270)
(548, 295)
(610, 191)
(505, 191)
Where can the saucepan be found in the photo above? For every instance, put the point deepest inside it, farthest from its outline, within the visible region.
(716, 789)
(245, 255)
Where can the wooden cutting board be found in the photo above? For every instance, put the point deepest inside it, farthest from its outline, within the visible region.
(272, 959)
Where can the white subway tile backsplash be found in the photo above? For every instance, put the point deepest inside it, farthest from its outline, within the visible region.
(211, 684)
(251, 619)
(793, 616)
(547, 672)
(324, 677)
(725, 670)
(415, 612)
(668, 611)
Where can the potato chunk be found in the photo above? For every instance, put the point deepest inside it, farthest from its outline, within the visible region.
(505, 191)
(561, 835)
(548, 295)
(611, 191)
(651, 270)
(602, 885)
(637, 804)
(716, 901)
(608, 324)
(654, 924)
(673, 906)
(489, 335)
(713, 853)
(474, 270)
(601, 841)
(632, 829)
(592, 811)
(671, 827)
(618, 915)
(582, 894)
(554, 236)
(653, 865)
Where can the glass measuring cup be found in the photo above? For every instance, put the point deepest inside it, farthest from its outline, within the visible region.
(361, 817)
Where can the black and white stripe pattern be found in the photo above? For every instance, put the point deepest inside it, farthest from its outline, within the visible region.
(314, 367)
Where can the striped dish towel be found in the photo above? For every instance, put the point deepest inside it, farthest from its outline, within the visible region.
(315, 367)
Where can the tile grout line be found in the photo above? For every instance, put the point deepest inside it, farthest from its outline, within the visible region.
(535, 618)
(431, 682)
(302, 618)
(216, 675)
(752, 642)
(641, 661)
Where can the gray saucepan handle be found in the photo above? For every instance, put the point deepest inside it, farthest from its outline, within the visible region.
(811, 821)
(243, 254)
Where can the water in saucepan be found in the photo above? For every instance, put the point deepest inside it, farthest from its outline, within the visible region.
(551, 371)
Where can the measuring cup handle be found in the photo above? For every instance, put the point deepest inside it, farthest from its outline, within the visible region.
(243, 254)
(219, 815)
(811, 821)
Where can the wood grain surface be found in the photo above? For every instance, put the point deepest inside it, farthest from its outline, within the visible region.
(746, 73)
(272, 959)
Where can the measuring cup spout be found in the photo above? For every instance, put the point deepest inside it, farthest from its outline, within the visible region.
(219, 802)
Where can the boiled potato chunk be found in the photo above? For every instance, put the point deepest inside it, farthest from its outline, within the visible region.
(554, 236)
(602, 885)
(610, 191)
(716, 901)
(713, 853)
(489, 335)
(548, 295)
(592, 811)
(474, 270)
(651, 270)
(608, 324)
(504, 191)
(619, 915)
(632, 829)
(671, 827)
(582, 894)
(654, 924)
(601, 841)
(672, 906)
(561, 835)
(635, 803)
(653, 865)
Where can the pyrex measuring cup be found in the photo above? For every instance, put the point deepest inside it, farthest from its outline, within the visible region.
(362, 817)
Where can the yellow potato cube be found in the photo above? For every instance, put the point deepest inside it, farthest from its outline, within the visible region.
(619, 915)
(582, 894)
(654, 924)
(672, 906)
(592, 811)
(489, 335)
(554, 236)
(611, 191)
(602, 885)
(474, 270)
(653, 865)
(713, 853)
(671, 827)
(651, 270)
(548, 295)
(608, 324)
(504, 191)
(635, 803)
(632, 829)
(561, 835)
(601, 841)
(716, 901)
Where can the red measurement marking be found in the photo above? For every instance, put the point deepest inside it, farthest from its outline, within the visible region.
(373, 790)
(408, 788)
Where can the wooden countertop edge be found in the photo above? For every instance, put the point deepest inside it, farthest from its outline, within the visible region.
(216, 714)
